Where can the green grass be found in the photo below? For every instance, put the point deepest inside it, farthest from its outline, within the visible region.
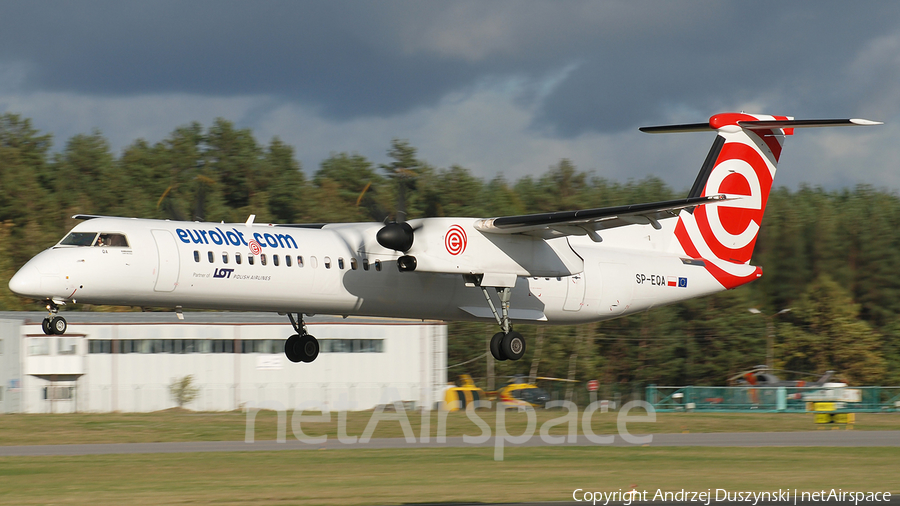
(433, 475)
(174, 426)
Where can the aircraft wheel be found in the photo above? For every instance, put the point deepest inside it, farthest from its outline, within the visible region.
(496, 349)
(45, 326)
(307, 348)
(58, 325)
(290, 346)
(513, 345)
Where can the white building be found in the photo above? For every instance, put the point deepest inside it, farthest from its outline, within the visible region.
(126, 362)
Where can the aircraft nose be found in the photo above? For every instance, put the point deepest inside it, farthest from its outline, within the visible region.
(39, 278)
(26, 282)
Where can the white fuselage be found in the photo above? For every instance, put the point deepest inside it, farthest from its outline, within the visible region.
(342, 270)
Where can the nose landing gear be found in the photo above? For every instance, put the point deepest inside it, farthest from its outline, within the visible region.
(300, 347)
(53, 324)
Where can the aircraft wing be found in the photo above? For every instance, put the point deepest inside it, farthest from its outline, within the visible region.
(589, 221)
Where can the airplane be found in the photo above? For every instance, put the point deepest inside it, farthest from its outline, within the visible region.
(762, 376)
(559, 268)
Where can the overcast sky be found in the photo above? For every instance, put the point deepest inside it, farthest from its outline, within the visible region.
(497, 87)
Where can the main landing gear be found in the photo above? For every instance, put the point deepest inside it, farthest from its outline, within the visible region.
(300, 347)
(506, 344)
(53, 324)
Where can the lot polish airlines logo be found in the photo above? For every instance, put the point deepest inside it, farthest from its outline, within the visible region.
(455, 240)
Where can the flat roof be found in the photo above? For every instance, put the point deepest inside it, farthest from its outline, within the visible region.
(206, 317)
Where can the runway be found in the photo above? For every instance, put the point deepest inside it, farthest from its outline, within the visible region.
(826, 438)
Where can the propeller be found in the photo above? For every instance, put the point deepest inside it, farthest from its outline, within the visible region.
(396, 236)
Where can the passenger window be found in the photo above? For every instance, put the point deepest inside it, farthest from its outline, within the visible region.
(196, 256)
(299, 261)
(275, 260)
(211, 257)
(340, 263)
(377, 265)
(313, 262)
(327, 262)
(250, 259)
(353, 264)
(365, 264)
(237, 258)
(262, 259)
(224, 257)
(287, 260)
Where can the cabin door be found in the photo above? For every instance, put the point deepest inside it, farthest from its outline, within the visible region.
(167, 270)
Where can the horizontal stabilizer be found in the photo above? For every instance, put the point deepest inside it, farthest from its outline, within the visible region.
(721, 120)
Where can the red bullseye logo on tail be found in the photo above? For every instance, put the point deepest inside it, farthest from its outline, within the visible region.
(455, 240)
(255, 247)
(730, 228)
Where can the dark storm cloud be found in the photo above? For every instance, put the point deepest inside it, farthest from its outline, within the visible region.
(342, 57)
(633, 61)
(794, 56)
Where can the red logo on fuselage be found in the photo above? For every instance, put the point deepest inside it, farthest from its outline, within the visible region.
(255, 247)
(455, 240)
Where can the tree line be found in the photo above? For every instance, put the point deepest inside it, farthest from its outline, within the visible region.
(833, 257)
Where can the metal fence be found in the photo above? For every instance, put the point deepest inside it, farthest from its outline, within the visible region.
(772, 399)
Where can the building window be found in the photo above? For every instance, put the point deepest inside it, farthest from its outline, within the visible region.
(67, 345)
(351, 345)
(212, 258)
(196, 256)
(237, 258)
(99, 346)
(39, 346)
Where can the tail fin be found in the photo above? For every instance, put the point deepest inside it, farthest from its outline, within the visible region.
(741, 165)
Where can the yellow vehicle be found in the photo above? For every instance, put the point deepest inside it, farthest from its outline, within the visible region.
(520, 393)
(465, 394)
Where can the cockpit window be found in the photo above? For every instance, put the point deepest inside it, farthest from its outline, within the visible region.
(79, 239)
(114, 240)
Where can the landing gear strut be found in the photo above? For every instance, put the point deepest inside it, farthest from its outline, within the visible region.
(300, 347)
(506, 344)
(53, 324)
